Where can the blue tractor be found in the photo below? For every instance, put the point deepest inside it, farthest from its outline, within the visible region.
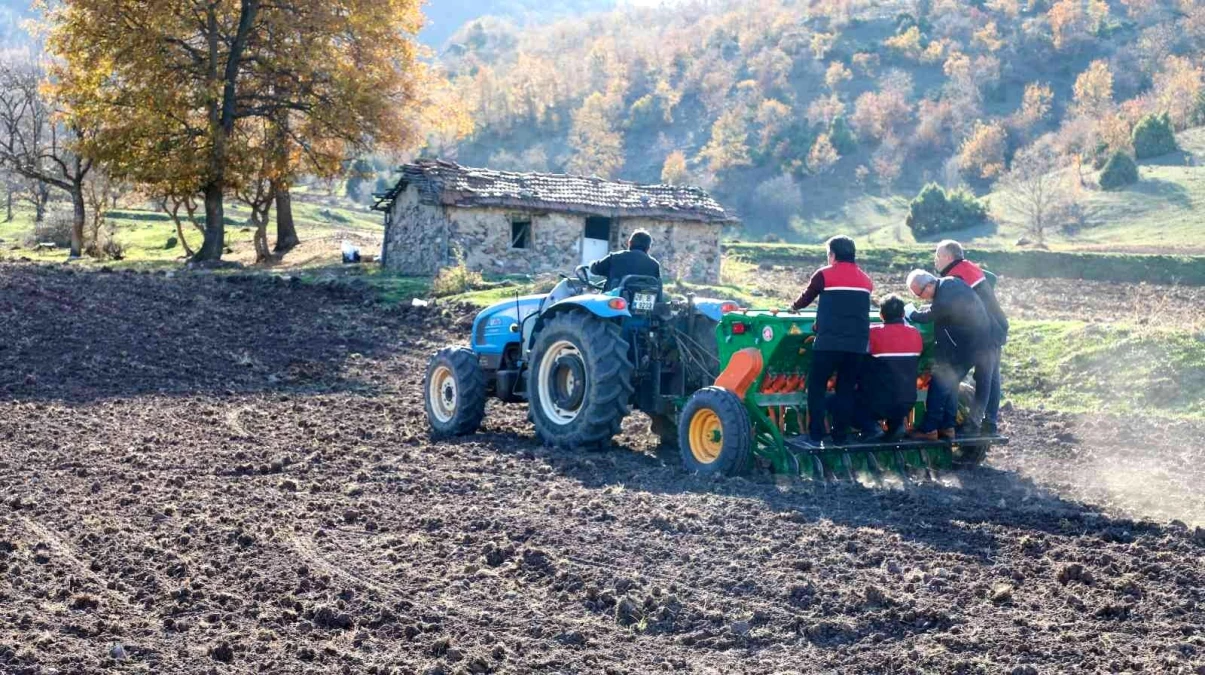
(581, 359)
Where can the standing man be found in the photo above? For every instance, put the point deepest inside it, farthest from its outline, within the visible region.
(635, 260)
(842, 337)
(887, 384)
(963, 329)
(986, 408)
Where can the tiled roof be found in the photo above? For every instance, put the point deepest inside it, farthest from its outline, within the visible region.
(449, 184)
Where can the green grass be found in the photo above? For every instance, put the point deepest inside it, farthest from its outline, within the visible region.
(1159, 213)
(144, 233)
(1080, 367)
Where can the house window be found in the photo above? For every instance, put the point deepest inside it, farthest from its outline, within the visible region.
(520, 233)
(598, 227)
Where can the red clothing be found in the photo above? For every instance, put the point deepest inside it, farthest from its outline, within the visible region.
(969, 272)
(895, 340)
(842, 314)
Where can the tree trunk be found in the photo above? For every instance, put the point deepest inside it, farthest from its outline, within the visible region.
(40, 196)
(8, 205)
(215, 227)
(286, 230)
(77, 221)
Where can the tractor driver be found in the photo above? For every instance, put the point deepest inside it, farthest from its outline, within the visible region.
(842, 337)
(636, 260)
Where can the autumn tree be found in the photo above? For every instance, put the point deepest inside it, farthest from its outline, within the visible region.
(823, 155)
(597, 144)
(41, 143)
(1074, 22)
(1179, 88)
(1094, 89)
(836, 75)
(1035, 106)
(729, 144)
(982, 153)
(178, 78)
(674, 171)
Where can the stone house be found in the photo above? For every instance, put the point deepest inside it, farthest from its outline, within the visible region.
(528, 223)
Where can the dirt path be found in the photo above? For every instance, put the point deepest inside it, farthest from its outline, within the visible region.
(269, 501)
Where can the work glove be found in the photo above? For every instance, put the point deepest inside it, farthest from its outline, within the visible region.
(909, 310)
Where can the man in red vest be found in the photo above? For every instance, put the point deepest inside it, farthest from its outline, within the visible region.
(887, 385)
(842, 337)
(985, 409)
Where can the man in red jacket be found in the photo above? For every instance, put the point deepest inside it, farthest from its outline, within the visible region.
(842, 337)
(887, 384)
(951, 262)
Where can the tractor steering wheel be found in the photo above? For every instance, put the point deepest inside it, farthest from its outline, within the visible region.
(583, 275)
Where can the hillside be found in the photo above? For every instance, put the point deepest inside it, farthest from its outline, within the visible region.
(446, 17)
(808, 119)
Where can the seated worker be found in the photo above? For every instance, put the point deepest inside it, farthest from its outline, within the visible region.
(887, 384)
(985, 412)
(842, 337)
(635, 260)
(962, 329)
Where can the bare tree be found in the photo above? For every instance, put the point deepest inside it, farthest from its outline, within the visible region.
(36, 143)
(1035, 189)
(11, 186)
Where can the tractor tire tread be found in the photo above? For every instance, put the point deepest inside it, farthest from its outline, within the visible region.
(470, 387)
(737, 448)
(611, 386)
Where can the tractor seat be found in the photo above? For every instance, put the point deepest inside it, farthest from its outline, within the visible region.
(636, 289)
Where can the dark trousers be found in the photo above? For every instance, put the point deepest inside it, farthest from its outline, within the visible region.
(987, 379)
(992, 412)
(870, 414)
(824, 364)
(941, 406)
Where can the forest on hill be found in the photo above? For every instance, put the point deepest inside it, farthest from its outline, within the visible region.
(789, 109)
(445, 17)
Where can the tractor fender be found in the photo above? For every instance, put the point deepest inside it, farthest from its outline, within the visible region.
(711, 308)
(597, 304)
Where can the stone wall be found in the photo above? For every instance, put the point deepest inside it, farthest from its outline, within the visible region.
(689, 251)
(423, 238)
(482, 235)
(416, 237)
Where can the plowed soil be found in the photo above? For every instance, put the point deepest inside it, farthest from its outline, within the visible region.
(221, 474)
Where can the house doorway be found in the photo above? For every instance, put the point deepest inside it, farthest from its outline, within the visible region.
(596, 240)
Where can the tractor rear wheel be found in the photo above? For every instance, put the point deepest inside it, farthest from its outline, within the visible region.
(715, 435)
(454, 392)
(579, 382)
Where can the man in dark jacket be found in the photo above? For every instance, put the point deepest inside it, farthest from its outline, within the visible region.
(842, 336)
(887, 384)
(636, 260)
(962, 330)
(986, 408)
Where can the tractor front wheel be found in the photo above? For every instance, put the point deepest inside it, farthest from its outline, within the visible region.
(454, 389)
(714, 433)
(579, 382)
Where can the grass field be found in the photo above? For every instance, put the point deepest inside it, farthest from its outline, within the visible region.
(1073, 366)
(144, 234)
(1160, 213)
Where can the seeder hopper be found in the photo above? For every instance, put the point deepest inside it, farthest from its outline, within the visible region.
(757, 410)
